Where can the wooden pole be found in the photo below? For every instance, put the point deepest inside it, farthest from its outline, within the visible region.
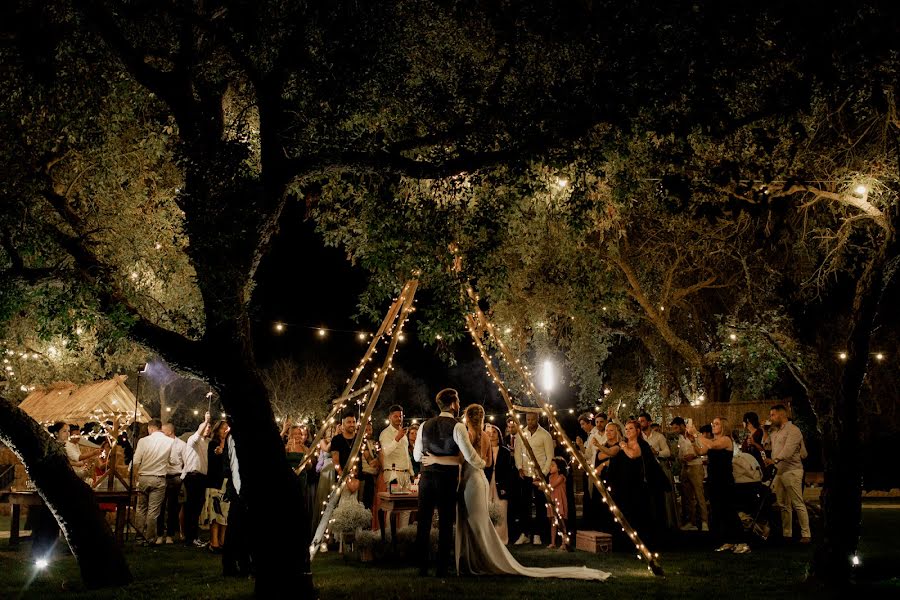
(404, 307)
(651, 558)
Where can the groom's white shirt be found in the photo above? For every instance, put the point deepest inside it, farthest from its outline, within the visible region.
(461, 437)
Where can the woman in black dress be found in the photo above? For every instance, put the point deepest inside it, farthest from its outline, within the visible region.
(627, 476)
(724, 523)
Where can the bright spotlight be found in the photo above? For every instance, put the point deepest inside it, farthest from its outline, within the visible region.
(41, 563)
(548, 378)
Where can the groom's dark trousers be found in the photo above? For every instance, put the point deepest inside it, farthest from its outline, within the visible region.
(437, 489)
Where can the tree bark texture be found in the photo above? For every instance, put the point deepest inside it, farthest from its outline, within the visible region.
(71, 501)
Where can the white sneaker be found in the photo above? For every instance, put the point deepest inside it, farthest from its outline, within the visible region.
(537, 540)
(169, 540)
(689, 527)
(742, 549)
(704, 526)
(523, 539)
(323, 548)
(160, 541)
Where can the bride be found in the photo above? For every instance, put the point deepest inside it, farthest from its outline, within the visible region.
(479, 550)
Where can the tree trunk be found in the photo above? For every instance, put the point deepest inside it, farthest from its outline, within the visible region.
(71, 501)
(842, 493)
(279, 534)
(715, 384)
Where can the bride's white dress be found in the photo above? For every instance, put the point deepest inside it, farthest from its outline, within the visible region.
(479, 550)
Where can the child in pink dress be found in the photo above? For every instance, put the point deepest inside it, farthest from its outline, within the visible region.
(558, 496)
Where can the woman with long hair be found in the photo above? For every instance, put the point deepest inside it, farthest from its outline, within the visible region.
(724, 523)
(753, 443)
(500, 469)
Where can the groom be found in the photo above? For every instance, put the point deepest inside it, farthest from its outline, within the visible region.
(439, 436)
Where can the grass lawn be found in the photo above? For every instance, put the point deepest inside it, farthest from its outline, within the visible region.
(177, 572)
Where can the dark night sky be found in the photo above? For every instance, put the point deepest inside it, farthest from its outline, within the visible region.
(306, 285)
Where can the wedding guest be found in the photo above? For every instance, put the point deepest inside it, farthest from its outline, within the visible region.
(515, 509)
(557, 481)
(753, 442)
(663, 501)
(370, 467)
(411, 436)
(542, 446)
(500, 470)
(724, 523)
(196, 465)
(342, 443)
(629, 475)
(693, 496)
(327, 478)
(589, 450)
(395, 457)
(168, 517)
(217, 506)
(788, 451)
(236, 561)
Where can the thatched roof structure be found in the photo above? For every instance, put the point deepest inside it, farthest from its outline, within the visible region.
(97, 401)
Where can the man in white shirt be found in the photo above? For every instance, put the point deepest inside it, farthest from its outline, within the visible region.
(195, 458)
(541, 443)
(692, 494)
(395, 455)
(150, 464)
(788, 450)
(168, 516)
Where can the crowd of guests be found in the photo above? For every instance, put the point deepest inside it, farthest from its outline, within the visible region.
(193, 482)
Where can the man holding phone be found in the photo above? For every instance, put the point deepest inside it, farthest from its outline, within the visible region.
(395, 454)
(692, 494)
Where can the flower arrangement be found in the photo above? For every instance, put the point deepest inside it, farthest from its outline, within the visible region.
(350, 516)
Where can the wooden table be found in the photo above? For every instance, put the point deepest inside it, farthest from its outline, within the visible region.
(18, 499)
(395, 503)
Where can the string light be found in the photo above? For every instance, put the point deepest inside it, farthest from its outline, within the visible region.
(322, 332)
(279, 327)
(842, 355)
(879, 356)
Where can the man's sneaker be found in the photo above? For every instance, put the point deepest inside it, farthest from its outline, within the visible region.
(704, 526)
(725, 547)
(536, 541)
(160, 541)
(169, 540)
(805, 540)
(199, 544)
(523, 539)
(689, 527)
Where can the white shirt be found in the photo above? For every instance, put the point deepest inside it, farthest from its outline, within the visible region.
(231, 450)
(393, 452)
(73, 452)
(194, 454)
(176, 457)
(151, 457)
(657, 442)
(461, 437)
(591, 454)
(542, 445)
(685, 448)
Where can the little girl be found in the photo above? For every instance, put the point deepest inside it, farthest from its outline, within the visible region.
(557, 495)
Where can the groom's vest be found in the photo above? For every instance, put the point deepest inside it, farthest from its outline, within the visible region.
(437, 439)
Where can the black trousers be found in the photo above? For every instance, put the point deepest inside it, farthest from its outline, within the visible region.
(539, 524)
(195, 490)
(236, 559)
(368, 489)
(437, 489)
(168, 515)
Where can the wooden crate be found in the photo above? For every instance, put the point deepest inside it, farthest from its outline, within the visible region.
(594, 542)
